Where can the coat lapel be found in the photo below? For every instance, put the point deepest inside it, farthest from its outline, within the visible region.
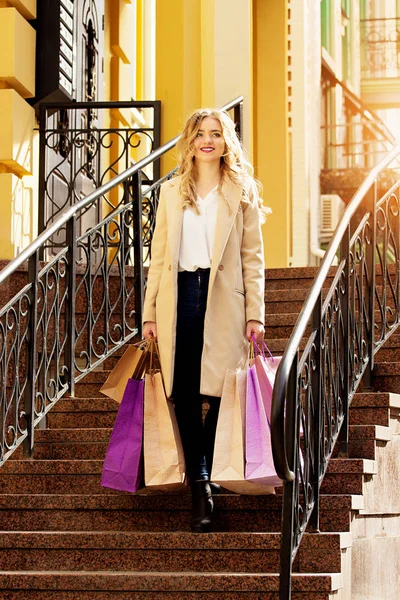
(226, 216)
(174, 216)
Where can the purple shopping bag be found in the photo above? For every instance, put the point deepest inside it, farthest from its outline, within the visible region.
(259, 461)
(123, 465)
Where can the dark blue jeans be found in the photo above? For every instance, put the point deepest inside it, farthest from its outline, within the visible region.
(197, 437)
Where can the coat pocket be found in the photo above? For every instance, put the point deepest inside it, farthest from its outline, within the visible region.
(240, 292)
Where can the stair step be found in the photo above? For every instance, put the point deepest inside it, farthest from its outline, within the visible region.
(126, 551)
(57, 476)
(121, 551)
(280, 325)
(362, 440)
(98, 403)
(294, 278)
(158, 512)
(386, 377)
(88, 444)
(69, 444)
(169, 585)
(346, 476)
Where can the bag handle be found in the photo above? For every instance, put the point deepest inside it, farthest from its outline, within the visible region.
(153, 349)
(145, 362)
(260, 350)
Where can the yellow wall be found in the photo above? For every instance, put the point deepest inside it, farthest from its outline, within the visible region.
(271, 139)
(178, 66)
(211, 51)
(119, 53)
(17, 122)
(203, 59)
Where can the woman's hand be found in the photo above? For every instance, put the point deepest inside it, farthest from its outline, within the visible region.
(255, 328)
(149, 330)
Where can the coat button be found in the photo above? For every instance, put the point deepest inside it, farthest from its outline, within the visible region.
(221, 267)
(169, 268)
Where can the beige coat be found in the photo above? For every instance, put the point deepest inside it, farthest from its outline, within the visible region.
(236, 286)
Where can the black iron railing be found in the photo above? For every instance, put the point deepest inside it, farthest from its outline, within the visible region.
(82, 146)
(80, 307)
(380, 48)
(349, 312)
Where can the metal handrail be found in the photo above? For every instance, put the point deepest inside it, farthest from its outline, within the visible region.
(282, 376)
(95, 195)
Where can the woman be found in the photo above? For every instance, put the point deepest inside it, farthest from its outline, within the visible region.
(205, 289)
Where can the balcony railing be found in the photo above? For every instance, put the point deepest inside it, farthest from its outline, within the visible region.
(359, 139)
(380, 48)
(82, 147)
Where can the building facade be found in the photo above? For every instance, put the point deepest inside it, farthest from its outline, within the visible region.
(308, 72)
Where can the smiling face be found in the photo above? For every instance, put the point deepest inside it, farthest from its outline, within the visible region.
(209, 143)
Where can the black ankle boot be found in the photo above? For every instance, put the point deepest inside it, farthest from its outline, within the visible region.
(202, 506)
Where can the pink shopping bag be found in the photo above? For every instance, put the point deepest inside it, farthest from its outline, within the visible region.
(259, 460)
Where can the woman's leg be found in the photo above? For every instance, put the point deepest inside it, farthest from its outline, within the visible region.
(210, 428)
(192, 301)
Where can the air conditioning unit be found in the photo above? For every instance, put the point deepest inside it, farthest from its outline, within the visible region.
(332, 207)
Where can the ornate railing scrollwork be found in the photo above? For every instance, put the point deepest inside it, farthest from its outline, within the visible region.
(78, 154)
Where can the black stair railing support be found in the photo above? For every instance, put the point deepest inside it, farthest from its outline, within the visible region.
(137, 199)
(42, 177)
(71, 306)
(289, 488)
(317, 380)
(157, 139)
(343, 438)
(238, 120)
(30, 390)
(371, 198)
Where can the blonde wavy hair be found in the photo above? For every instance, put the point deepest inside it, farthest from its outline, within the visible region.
(234, 164)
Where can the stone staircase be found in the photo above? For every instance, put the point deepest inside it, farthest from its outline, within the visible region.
(64, 536)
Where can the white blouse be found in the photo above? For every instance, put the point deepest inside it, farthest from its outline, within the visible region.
(198, 232)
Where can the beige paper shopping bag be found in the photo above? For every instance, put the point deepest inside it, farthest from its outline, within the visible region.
(229, 451)
(164, 463)
(132, 364)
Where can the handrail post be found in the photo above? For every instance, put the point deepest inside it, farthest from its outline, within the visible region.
(370, 259)
(30, 390)
(71, 294)
(343, 438)
(157, 138)
(42, 174)
(317, 383)
(289, 488)
(138, 248)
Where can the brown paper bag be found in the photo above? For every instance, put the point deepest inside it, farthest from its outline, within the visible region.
(229, 450)
(164, 463)
(132, 364)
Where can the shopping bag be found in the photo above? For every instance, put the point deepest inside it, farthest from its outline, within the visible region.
(123, 465)
(164, 463)
(228, 467)
(131, 364)
(259, 460)
(266, 368)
